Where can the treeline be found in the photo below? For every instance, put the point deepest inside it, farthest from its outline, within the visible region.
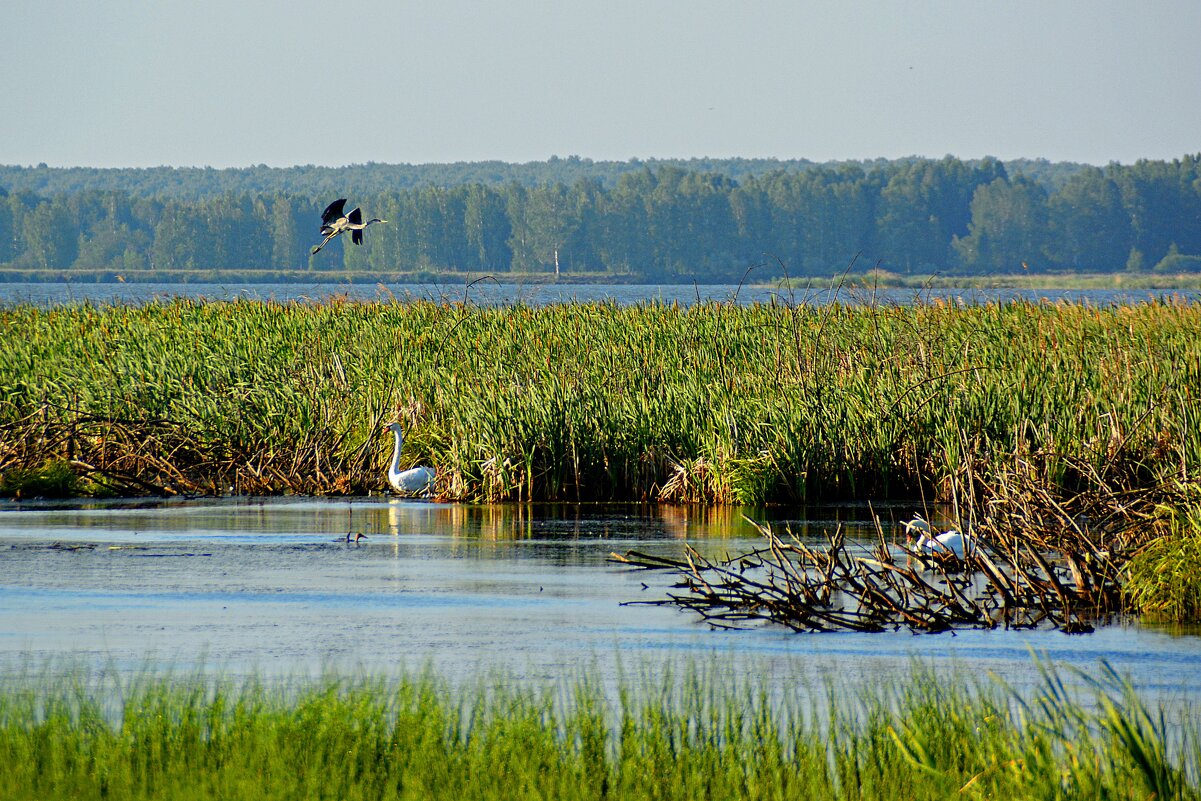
(194, 183)
(662, 223)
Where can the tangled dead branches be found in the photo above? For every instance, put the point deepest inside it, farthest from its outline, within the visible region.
(1035, 560)
(878, 587)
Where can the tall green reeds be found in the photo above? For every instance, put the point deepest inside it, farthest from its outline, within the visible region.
(691, 734)
(1164, 577)
(715, 403)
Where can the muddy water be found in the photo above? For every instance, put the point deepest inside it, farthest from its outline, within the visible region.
(272, 586)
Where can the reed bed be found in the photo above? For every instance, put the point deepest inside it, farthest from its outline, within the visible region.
(715, 403)
(1164, 577)
(689, 733)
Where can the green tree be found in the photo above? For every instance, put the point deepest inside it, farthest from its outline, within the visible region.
(1008, 229)
(707, 242)
(111, 237)
(625, 244)
(923, 206)
(836, 214)
(289, 247)
(180, 239)
(547, 225)
(751, 217)
(1090, 228)
(1163, 199)
(785, 200)
(51, 236)
(1177, 262)
(436, 222)
(8, 231)
(487, 230)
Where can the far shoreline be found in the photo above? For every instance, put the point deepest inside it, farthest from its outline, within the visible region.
(871, 279)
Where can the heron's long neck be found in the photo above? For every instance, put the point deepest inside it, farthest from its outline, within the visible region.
(399, 441)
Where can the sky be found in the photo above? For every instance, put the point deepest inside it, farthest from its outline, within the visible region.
(232, 83)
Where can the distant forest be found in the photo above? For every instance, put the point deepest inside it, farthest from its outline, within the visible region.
(705, 220)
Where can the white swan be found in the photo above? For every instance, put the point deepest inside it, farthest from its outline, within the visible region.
(415, 481)
(948, 543)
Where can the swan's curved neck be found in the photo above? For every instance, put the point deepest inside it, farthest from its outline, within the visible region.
(398, 439)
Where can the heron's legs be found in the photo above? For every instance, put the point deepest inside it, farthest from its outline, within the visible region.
(324, 242)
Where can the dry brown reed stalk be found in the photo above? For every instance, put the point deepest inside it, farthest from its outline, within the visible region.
(162, 457)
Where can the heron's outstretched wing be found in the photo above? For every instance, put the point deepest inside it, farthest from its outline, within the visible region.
(355, 217)
(356, 236)
(333, 211)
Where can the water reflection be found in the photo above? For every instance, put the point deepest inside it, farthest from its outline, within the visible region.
(464, 528)
(501, 522)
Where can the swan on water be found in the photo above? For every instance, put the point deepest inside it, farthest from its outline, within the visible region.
(948, 543)
(334, 223)
(416, 480)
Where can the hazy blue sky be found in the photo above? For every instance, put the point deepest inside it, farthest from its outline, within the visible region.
(283, 82)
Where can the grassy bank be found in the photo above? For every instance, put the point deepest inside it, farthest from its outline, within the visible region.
(884, 279)
(696, 735)
(714, 403)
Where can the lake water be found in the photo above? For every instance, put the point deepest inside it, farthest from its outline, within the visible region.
(491, 293)
(270, 586)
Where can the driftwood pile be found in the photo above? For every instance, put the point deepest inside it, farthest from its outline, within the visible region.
(1033, 561)
(841, 587)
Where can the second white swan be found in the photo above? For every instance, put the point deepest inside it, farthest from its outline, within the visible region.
(948, 543)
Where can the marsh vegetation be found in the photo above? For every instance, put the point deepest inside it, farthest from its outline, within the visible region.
(715, 403)
(1036, 422)
(695, 732)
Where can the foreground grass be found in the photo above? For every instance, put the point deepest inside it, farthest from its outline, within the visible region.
(714, 403)
(696, 735)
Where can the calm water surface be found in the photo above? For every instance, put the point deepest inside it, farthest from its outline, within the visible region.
(489, 293)
(253, 585)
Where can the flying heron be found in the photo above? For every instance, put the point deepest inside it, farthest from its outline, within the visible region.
(334, 222)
